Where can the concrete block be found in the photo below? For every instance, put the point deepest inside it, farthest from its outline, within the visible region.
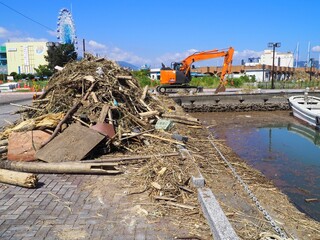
(198, 181)
(217, 220)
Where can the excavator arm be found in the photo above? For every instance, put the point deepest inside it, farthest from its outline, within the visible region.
(215, 53)
(178, 76)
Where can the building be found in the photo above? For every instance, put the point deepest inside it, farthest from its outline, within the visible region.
(280, 59)
(23, 57)
(3, 60)
(155, 73)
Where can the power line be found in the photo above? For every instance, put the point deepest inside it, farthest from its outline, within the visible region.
(27, 17)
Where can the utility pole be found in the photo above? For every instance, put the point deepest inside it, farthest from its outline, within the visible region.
(84, 47)
(311, 65)
(273, 45)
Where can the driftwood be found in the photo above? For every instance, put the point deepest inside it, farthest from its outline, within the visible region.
(103, 113)
(144, 93)
(21, 179)
(124, 77)
(131, 158)
(180, 205)
(57, 129)
(94, 97)
(62, 167)
(69, 114)
(165, 198)
(27, 107)
(163, 139)
(149, 114)
(183, 118)
(312, 200)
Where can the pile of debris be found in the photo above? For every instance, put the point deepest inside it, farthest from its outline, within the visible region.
(90, 108)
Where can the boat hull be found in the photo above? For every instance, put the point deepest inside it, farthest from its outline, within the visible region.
(306, 108)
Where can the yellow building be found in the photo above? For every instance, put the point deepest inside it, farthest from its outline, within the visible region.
(23, 57)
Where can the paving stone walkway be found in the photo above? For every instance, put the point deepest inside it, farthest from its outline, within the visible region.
(78, 207)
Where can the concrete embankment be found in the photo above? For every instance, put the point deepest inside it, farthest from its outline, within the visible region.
(228, 102)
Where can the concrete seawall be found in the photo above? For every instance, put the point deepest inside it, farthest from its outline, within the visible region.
(237, 102)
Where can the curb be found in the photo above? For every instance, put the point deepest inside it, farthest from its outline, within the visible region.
(217, 220)
(219, 224)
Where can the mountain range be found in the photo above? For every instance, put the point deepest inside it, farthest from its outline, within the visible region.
(127, 65)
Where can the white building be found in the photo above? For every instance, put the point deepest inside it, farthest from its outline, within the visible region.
(280, 59)
(155, 73)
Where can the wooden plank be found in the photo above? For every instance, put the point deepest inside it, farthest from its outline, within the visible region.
(103, 113)
(144, 93)
(148, 114)
(94, 97)
(71, 145)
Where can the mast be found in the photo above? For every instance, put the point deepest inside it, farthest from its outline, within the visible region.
(308, 58)
(297, 54)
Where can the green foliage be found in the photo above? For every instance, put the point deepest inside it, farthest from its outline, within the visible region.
(30, 76)
(236, 82)
(13, 74)
(206, 81)
(60, 55)
(246, 78)
(3, 77)
(143, 78)
(43, 71)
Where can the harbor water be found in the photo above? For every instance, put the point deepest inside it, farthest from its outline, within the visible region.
(285, 150)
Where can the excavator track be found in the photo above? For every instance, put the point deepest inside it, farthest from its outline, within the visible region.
(163, 89)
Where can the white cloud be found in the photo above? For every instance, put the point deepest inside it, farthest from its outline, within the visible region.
(115, 53)
(168, 58)
(176, 57)
(4, 32)
(15, 36)
(245, 54)
(316, 49)
(95, 46)
(52, 33)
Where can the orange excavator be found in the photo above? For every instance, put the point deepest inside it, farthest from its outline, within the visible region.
(179, 75)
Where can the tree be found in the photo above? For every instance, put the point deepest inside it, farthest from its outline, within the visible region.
(43, 71)
(60, 55)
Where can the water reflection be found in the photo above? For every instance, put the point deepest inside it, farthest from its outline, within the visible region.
(288, 155)
(306, 132)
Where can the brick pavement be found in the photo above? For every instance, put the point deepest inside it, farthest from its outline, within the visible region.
(79, 207)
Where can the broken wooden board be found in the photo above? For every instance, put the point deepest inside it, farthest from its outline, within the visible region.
(72, 144)
(22, 146)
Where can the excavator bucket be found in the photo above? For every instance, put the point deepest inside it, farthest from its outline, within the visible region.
(220, 88)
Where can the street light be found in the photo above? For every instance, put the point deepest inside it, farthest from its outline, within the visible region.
(273, 45)
(311, 65)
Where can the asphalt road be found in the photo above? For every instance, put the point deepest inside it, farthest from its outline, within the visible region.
(7, 111)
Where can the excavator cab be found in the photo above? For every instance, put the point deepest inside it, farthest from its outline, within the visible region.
(173, 75)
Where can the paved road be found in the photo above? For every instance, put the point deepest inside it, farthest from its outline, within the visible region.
(7, 111)
(73, 207)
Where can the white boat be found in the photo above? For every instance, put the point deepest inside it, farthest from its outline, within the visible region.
(306, 108)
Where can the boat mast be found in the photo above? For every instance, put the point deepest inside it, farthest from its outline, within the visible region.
(297, 54)
(308, 58)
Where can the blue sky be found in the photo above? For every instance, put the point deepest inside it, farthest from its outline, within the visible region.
(151, 32)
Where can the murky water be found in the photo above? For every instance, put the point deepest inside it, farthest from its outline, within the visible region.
(286, 152)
